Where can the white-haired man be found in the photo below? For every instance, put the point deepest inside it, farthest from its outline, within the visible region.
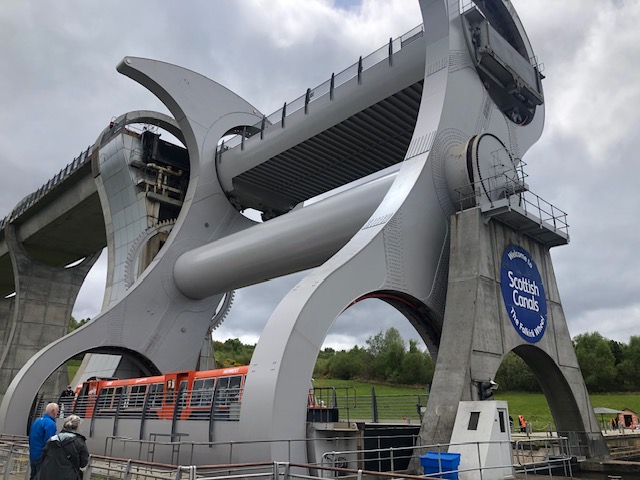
(41, 430)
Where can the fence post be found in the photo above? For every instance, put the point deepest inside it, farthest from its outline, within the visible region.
(479, 459)
(374, 406)
(9, 464)
(127, 472)
(87, 469)
(178, 473)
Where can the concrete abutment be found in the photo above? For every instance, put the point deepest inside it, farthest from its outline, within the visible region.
(478, 333)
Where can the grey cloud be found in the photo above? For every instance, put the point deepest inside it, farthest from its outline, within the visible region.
(59, 89)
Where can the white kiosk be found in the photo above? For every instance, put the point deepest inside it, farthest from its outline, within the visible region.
(482, 437)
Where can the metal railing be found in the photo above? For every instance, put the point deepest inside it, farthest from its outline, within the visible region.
(364, 63)
(34, 197)
(14, 457)
(65, 173)
(541, 456)
(352, 406)
(196, 405)
(507, 188)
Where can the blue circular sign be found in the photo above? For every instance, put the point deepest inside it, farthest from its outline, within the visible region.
(523, 293)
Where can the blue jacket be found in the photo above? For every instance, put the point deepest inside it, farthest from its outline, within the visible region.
(41, 430)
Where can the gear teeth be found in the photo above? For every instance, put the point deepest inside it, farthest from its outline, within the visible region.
(221, 314)
(141, 240)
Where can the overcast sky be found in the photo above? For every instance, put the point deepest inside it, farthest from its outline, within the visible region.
(59, 89)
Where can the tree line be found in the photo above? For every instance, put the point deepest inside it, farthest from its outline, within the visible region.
(606, 365)
(386, 358)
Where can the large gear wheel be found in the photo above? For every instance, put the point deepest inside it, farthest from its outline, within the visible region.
(132, 264)
(222, 311)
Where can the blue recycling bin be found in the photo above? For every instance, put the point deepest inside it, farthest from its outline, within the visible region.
(438, 462)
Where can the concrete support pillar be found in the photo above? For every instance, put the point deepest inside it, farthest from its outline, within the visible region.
(39, 313)
(6, 314)
(478, 332)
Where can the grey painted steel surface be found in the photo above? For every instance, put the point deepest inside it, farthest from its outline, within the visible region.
(401, 252)
(383, 255)
(62, 221)
(154, 321)
(297, 241)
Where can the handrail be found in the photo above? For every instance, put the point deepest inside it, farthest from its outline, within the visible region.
(327, 87)
(333, 464)
(60, 177)
(34, 197)
(551, 452)
(204, 405)
(509, 187)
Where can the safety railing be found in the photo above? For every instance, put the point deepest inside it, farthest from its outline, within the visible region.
(196, 405)
(548, 455)
(34, 197)
(541, 456)
(507, 189)
(14, 457)
(106, 467)
(65, 173)
(356, 70)
(351, 406)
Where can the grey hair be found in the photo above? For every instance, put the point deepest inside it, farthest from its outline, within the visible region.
(72, 422)
(52, 409)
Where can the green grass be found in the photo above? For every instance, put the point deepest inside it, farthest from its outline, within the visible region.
(365, 388)
(533, 406)
(72, 368)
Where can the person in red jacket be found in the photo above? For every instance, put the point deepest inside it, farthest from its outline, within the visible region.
(523, 424)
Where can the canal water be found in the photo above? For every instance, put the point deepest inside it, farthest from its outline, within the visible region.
(607, 476)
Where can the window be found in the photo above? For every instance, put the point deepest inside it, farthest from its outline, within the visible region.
(121, 396)
(202, 392)
(228, 390)
(105, 399)
(136, 396)
(155, 395)
(473, 421)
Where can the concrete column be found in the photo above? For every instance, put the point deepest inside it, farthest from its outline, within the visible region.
(39, 313)
(6, 314)
(477, 334)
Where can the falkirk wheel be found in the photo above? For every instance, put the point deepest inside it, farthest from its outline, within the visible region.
(447, 240)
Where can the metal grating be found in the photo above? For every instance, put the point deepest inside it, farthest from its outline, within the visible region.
(365, 143)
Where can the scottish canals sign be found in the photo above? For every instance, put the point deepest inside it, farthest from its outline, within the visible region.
(523, 293)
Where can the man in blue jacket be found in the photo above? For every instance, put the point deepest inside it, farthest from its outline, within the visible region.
(41, 430)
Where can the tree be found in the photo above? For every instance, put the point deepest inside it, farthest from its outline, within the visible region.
(629, 369)
(617, 349)
(515, 375)
(232, 353)
(388, 350)
(321, 368)
(596, 362)
(417, 367)
(348, 365)
(74, 324)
